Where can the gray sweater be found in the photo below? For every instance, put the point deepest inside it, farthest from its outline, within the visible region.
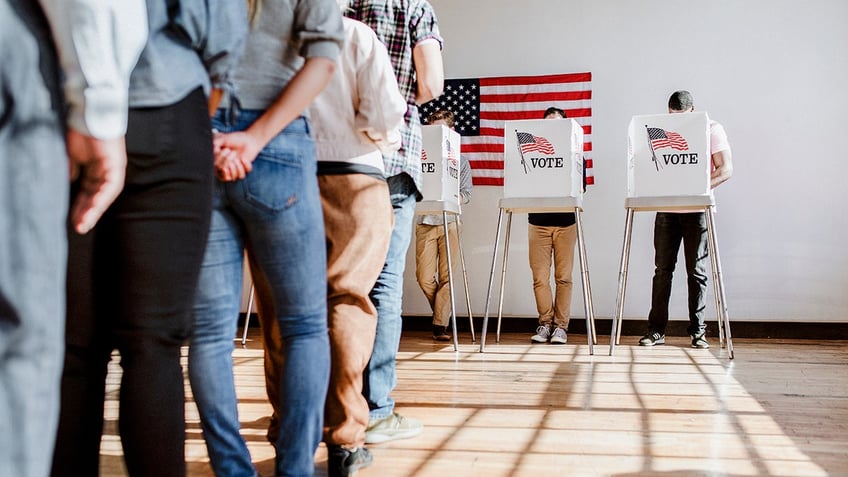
(287, 31)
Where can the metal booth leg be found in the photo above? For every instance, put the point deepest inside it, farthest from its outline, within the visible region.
(584, 278)
(450, 280)
(617, 316)
(503, 274)
(249, 311)
(718, 281)
(465, 279)
(491, 281)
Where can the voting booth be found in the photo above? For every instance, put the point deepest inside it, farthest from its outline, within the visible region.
(440, 163)
(543, 172)
(440, 169)
(543, 158)
(668, 170)
(668, 155)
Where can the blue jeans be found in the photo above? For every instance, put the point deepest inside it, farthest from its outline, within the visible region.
(380, 377)
(669, 230)
(33, 208)
(275, 212)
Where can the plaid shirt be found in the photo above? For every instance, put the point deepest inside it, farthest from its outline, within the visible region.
(400, 25)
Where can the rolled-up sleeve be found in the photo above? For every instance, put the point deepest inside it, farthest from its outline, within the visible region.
(318, 29)
(218, 31)
(99, 42)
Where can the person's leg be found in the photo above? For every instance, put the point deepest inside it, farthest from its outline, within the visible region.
(539, 247)
(442, 311)
(210, 358)
(696, 254)
(272, 343)
(667, 239)
(358, 223)
(387, 296)
(280, 207)
(159, 227)
(427, 261)
(88, 347)
(564, 239)
(34, 185)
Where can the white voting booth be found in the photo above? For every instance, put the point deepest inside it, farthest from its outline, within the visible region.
(543, 172)
(668, 170)
(440, 170)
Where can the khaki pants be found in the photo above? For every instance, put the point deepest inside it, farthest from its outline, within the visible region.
(358, 222)
(431, 267)
(544, 242)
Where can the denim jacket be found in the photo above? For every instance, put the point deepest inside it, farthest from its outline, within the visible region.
(191, 44)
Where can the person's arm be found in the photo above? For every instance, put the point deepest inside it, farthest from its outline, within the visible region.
(722, 168)
(301, 90)
(429, 70)
(97, 58)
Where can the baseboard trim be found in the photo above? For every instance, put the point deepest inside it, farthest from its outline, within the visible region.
(738, 329)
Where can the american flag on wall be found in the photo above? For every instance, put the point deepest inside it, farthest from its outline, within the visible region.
(481, 105)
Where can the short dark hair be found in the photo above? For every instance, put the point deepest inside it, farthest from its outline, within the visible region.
(554, 110)
(443, 114)
(680, 101)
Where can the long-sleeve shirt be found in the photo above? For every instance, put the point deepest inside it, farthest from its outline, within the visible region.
(401, 25)
(358, 116)
(198, 45)
(98, 43)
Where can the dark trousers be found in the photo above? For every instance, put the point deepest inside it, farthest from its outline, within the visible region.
(131, 287)
(669, 230)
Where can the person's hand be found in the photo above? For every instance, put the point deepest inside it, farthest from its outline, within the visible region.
(234, 155)
(100, 165)
(228, 167)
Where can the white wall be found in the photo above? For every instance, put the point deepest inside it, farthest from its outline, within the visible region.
(773, 72)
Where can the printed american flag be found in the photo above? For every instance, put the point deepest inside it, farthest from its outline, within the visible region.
(481, 105)
(662, 138)
(531, 143)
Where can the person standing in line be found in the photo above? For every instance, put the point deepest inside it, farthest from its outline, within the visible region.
(357, 118)
(552, 234)
(132, 279)
(431, 261)
(410, 31)
(36, 149)
(267, 201)
(690, 228)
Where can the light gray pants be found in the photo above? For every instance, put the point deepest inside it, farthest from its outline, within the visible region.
(33, 209)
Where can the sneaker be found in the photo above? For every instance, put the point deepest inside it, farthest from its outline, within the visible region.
(345, 461)
(392, 428)
(440, 333)
(652, 338)
(543, 334)
(700, 341)
(559, 336)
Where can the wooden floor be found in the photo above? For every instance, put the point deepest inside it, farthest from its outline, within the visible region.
(779, 408)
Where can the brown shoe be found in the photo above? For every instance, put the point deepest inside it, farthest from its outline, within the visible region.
(440, 333)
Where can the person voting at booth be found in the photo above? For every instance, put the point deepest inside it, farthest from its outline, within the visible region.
(431, 263)
(552, 235)
(670, 228)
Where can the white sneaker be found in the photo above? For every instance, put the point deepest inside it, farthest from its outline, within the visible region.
(559, 336)
(543, 334)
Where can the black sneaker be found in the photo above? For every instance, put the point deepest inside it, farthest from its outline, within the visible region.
(344, 462)
(652, 338)
(700, 341)
(440, 333)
